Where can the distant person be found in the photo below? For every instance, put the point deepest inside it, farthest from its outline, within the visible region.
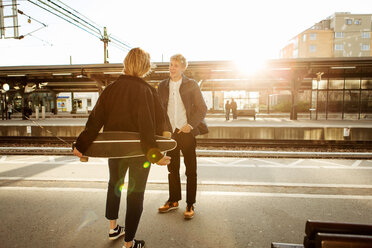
(128, 104)
(10, 110)
(186, 108)
(234, 108)
(227, 110)
(27, 111)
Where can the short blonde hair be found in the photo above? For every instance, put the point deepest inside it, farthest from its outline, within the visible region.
(137, 63)
(181, 59)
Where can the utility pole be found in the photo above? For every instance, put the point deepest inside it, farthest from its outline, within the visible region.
(105, 40)
(4, 16)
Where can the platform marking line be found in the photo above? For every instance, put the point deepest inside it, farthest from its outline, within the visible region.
(356, 163)
(206, 193)
(285, 184)
(238, 161)
(71, 162)
(287, 195)
(296, 162)
(26, 159)
(201, 182)
(268, 162)
(332, 167)
(54, 179)
(326, 162)
(18, 158)
(211, 160)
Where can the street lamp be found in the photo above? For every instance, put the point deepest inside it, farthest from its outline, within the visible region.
(6, 87)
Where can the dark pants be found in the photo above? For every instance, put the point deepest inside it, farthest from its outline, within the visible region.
(227, 114)
(135, 193)
(186, 143)
(235, 114)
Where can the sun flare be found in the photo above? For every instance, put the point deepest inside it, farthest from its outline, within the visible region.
(250, 65)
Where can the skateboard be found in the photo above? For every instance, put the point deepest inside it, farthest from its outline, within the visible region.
(118, 144)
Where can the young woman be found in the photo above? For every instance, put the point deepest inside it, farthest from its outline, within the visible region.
(128, 104)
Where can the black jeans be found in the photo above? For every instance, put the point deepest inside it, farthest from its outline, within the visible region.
(187, 144)
(235, 114)
(138, 173)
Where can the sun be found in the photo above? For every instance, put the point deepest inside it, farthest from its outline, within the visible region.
(249, 64)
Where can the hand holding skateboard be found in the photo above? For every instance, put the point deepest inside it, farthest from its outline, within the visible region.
(164, 160)
(124, 145)
(80, 155)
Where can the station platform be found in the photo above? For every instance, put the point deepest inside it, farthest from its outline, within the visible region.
(270, 128)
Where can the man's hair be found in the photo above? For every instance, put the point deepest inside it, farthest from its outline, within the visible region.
(180, 58)
(137, 63)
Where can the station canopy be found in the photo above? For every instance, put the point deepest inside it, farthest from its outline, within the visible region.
(211, 75)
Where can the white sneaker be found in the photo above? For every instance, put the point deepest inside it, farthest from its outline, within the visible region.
(116, 233)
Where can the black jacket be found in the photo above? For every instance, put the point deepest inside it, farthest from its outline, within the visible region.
(128, 104)
(193, 100)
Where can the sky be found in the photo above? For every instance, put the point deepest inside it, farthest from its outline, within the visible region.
(202, 30)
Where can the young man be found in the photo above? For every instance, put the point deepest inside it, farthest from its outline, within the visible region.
(227, 109)
(186, 109)
(234, 108)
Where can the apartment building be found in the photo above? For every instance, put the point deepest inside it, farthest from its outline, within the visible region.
(340, 35)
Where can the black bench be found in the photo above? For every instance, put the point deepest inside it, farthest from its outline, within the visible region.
(320, 234)
(286, 245)
(247, 112)
(313, 228)
(331, 240)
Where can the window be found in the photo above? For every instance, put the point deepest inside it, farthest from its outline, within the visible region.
(358, 22)
(352, 83)
(295, 53)
(366, 35)
(349, 21)
(365, 47)
(367, 84)
(336, 84)
(339, 35)
(313, 36)
(312, 48)
(339, 47)
(304, 38)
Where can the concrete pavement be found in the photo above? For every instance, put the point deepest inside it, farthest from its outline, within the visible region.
(57, 201)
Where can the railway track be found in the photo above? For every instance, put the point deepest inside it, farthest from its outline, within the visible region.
(318, 145)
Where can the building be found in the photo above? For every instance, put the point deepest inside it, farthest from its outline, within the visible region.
(340, 35)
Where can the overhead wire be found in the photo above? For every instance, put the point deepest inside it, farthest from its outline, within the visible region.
(65, 19)
(120, 42)
(119, 47)
(75, 18)
(113, 39)
(99, 31)
(66, 15)
(44, 41)
(77, 12)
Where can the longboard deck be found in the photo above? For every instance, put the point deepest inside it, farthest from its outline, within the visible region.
(123, 145)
